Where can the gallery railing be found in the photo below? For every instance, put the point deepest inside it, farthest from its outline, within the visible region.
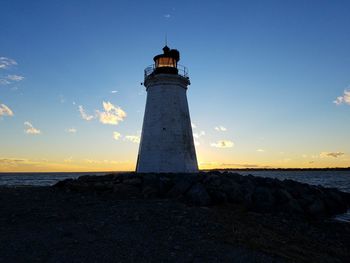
(182, 70)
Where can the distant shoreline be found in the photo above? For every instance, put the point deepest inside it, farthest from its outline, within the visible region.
(204, 170)
(281, 169)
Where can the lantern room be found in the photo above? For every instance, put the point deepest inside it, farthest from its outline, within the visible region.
(167, 62)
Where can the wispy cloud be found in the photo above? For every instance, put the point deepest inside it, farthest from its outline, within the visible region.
(29, 128)
(84, 115)
(345, 98)
(212, 165)
(220, 128)
(25, 165)
(92, 161)
(197, 136)
(71, 130)
(68, 160)
(331, 154)
(167, 16)
(7, 62)
(222, 144)
(116, 135)
(133, 138)
(4, 82)
(15, 77)
(112, 114)
(10, 79)
(244, 165)
(114, 91)
(260, 150)
(5, 110)
(62, 98)
(193, 125)
(14, 162)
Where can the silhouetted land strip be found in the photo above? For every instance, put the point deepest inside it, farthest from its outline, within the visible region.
(207, 217)
(281, 169)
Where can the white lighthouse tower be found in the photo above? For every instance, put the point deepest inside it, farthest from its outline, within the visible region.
(166, 141)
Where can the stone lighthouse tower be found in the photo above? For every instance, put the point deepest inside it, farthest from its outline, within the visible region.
(166, 141)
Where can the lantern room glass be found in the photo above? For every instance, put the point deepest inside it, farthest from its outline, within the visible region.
(166, 62)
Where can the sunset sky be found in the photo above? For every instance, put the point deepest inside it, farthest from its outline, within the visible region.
(270, 81)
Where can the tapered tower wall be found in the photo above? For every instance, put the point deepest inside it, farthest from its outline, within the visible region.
(167, 144)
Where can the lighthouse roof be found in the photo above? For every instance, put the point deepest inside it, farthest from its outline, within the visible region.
(169, 53)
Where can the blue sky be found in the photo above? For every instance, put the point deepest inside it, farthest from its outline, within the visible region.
(267, 71)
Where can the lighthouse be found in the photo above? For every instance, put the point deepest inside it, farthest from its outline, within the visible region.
(166, 144)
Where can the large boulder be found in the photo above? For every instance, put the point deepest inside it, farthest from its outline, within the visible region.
(181, 186)
(233, 192)
(317, 208)
(263, 200)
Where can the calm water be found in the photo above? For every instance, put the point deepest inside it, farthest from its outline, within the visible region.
(37, 179)
(336, 179)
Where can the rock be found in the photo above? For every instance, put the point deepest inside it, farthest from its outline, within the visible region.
(317, 208)
(180, 187)
(283, 196)
(164, 184)
(264, 195)
(125, 190)
(64, 183)
(263, 200)
(150, 191)
(136, 181)
(334, 203)
(97, 178)
(101, 186)
(345, 196)
(217, 196)
(292, 207)
(209, 179)
(198, 195)
(79, 186)
(286, 202)
(233, 192)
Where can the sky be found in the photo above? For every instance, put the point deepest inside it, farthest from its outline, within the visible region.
(270, 81)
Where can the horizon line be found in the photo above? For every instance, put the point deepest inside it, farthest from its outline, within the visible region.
(200, 170)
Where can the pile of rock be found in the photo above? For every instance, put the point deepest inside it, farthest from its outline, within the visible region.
(258, 194)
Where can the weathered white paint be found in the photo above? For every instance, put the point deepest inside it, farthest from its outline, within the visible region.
(166, 141)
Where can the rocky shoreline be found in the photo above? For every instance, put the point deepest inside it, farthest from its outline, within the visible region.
(264, 195)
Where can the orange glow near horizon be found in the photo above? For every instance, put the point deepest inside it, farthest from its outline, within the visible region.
(25, 165)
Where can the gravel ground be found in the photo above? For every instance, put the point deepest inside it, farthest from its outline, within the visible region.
(43, 224)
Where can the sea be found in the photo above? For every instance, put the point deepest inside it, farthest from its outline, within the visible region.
(339, 179)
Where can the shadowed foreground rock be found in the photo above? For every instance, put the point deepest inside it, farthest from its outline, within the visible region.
(264, 195)
(160, 218)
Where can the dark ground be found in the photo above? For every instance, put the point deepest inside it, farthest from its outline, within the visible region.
(43, 224)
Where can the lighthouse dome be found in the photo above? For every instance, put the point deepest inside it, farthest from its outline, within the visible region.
(167, 62)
